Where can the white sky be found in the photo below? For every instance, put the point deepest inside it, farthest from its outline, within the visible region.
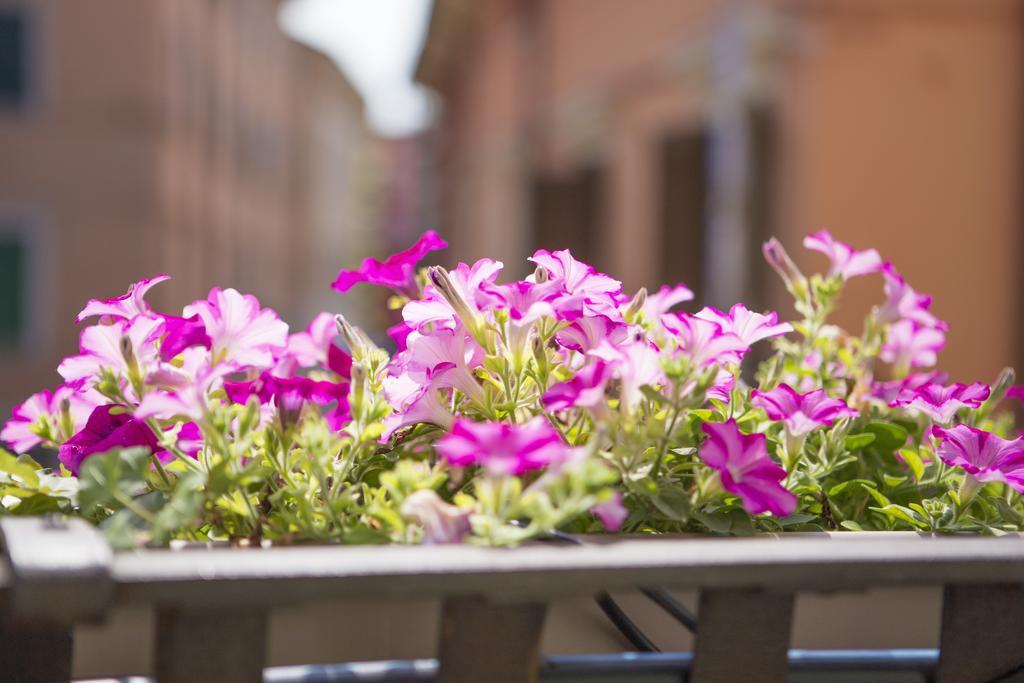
(376, 43)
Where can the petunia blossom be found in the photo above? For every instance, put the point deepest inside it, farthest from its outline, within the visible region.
(611, 512)
(106, 346)
(846, 261)
(108, 427)
(502, 448)
(941, 403)
(397, 271)
(586, 389)
(704, 341)
(801, 413)
(579, 288)
(747, 325)
(126, 306)
(442, 522)
(664, 300)
(983, 455)
(468, 285)
(903, 303)
(44, 410)
(241, 332)
(910, 344)
(745, 468)
(415, 402)
(635, 363)
(291, 394)
(587, 332)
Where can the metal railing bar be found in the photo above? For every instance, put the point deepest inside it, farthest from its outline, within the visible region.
(921, 661)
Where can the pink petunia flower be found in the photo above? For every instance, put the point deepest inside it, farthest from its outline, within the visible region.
(104, 346)
(704, 341)
(108, 427)
(635, 363)
(502, 448)
(749, 326)
(589, 331)
(903, 303)
(846, 262)
(451, 351)
(889, 391)
(241, 333)
(127, 305)
(290, 394)
(46, 406)
(586, 389)
(910, 344)
(611, 512)
(802, 413)
(442, 522)
(579, 289)
(182, 391)
(941, 403)
(664, 300)
(468, 283)
(745, 468)
(983, 455)
(397, 271)
(415, 403)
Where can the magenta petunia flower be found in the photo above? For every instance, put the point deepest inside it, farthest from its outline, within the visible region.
(910, 344)
(290, 394)
(748, 326)
(579, 289)
(745, 468)
(182, 333)
(241, 333)
(664, 300)
(846, 262)
(182, 391)
(108, 427)
(502, 448)
(983, 455)
(442, 522)
(415, 403)
(468, 283)
(903, 303)
(589, 331)
(104, 346)
(889, 391)
(704, 341)
(525, 303)
(397, 271)
(635, 363)
(451, 351)
(612, 512)
(127, 305)
(802, 413)
(941, 403)
(19, 432)
(586, 389)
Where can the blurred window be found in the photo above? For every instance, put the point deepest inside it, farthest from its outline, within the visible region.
(13, 57)
(684, 188)
(567, 213)
(13, 257)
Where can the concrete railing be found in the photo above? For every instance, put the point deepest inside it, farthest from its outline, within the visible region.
(212, 604)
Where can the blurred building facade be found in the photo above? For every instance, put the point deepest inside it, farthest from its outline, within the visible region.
(665, 140)
(167, 136)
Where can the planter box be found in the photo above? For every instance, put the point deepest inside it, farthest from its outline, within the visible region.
(330, 604)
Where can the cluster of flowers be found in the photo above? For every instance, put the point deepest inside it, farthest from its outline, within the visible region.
(509, 410)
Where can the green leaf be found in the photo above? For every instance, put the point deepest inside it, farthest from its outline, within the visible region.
(888, 435)
(108, 479)
(21, 470)
(913, 460)
(850, 525)
(840, 488)
(877, 495)
(181, 510)
(855, 442)
(653, 395)
(898, 512)
(798, 518)
(672, 503)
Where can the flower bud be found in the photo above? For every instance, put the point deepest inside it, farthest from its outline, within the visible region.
(779, 260)
(540, 274)
(470, 318)
(357, 390)
(127, 352)
(356, 340)
(636, 304)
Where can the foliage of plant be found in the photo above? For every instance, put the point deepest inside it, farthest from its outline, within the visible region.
(512, 410)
